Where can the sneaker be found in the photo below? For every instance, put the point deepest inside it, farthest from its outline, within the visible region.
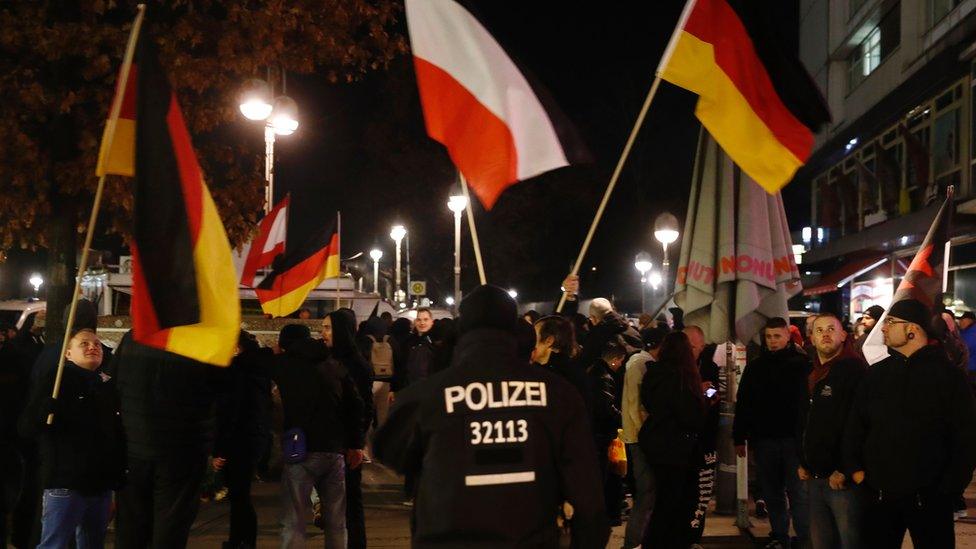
(775, 544)
(409, 502)
(761, 511)
(961, 514)
(220, 495)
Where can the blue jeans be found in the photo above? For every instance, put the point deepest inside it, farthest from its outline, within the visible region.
(835, 515)
(777, 461)
(326, 472)
(643, 497)
(68, 514)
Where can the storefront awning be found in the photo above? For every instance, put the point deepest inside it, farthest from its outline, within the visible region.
(831, 282)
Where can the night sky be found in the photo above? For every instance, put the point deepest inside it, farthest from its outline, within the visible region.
(362, 149)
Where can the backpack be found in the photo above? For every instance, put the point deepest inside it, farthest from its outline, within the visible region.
(381, 356)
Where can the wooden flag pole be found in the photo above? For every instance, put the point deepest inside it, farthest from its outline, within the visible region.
(474, 231)
(99, 189)
(339, 253)
(630, 143)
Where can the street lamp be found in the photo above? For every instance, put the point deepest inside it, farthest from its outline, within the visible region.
(280, 117)
(457, 203)
(376, 254)
(36, 280)
(450, 301)
(666, 232)
(397, 233)
(643, 264)
(513, 294)
(654, 279)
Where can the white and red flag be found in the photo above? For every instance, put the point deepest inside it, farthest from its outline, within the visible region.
(268, 244)
(493, 118)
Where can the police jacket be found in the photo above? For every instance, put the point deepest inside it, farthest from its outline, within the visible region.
(84, 448)
(912, 428)
(823, 414)
(772, 387)
(496, 447)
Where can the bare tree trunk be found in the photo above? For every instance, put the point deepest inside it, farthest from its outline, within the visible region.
(62, 264)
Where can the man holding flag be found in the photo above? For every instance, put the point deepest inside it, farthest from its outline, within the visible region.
(910, 441)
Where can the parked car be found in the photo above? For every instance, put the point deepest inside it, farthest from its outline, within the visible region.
(21, 312)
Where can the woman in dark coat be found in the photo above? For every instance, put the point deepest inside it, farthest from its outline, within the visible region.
(672, 395)
(338, 333)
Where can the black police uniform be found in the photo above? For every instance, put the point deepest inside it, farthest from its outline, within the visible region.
(497, 447)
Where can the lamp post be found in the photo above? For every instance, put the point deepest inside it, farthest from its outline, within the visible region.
(643, 264)
(36, 280)
(666, 232)
(512, 293)
(457, 204)
(397, 233)
(376, 254)
(280, 117)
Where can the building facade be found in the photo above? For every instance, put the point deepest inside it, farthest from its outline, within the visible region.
(898, 76)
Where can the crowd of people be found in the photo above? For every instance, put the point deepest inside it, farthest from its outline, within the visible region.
(505, 428)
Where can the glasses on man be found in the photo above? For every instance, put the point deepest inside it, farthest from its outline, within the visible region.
(892, 321)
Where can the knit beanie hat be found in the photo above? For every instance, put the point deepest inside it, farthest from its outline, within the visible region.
(487, 307)
(913, 311)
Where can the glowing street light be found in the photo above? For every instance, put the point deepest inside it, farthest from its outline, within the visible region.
(397, 233)
(36, 280)
(654, 279)
(376, 254)
(513, 294)
(643, 264)
(280, 117)
(666, 232)
(450, 301)
(457, 203)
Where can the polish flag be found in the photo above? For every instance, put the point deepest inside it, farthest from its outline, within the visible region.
(493, 119)
(268, 244)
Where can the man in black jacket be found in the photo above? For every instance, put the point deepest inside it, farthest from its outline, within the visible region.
(606, 419)
(911, 435)
(836, 507)
(168, 415)
(766, 412)
(323, 408)
(82, 451)
(496, 446)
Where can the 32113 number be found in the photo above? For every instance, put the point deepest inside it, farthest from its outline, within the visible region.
(498, 432)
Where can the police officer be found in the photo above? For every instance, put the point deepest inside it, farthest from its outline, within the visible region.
(496, 446)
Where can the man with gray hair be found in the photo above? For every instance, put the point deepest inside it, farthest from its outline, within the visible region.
(606, 324)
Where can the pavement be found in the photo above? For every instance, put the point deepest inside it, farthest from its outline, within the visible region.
(388, 520)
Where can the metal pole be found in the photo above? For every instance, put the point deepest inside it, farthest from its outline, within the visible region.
(666, 267)
(269, 142)
(408, 267)
(376, 276)
(457, 258)
(643, 292)
(396, 291)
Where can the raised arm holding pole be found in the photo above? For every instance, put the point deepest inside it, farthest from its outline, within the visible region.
(99, 189)
(630, 143)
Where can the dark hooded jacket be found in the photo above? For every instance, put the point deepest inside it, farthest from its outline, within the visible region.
(167, 400)
(772, 388)
(319, 396)
(611, 326)
(346, 351)
(912, 429)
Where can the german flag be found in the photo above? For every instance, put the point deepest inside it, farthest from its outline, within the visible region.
(296, 273)
(184, 287)
(757, 101)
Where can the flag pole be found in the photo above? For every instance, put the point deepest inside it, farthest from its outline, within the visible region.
(99, 189)
(474, 231)
(630, 143)
(338, 253)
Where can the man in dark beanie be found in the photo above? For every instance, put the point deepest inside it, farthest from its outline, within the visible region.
(496, 446)
(869, 321)
(910, 441)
